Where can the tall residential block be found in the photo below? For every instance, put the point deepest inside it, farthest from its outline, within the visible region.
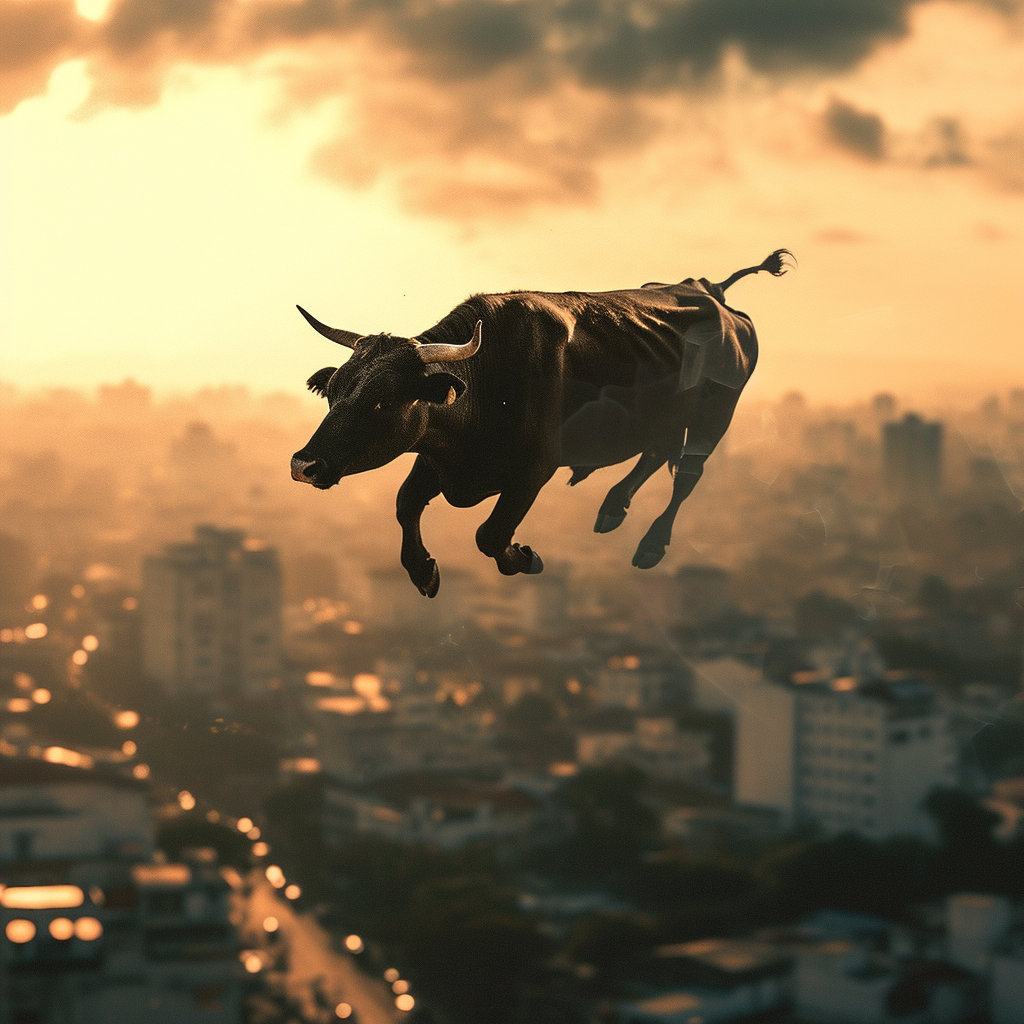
(212, 615)
(846, 754)
(912, 458)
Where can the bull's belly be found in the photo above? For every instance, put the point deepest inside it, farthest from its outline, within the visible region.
(621, 423)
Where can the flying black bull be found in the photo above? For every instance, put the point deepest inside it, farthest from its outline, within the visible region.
(543, 380)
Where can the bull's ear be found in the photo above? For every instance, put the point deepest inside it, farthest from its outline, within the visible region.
(318, 382)
(441, 388)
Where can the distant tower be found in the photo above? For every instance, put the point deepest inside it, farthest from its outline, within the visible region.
(912, 458)
(212, 615)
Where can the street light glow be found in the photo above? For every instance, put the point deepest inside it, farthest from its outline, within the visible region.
(405, 1002)
(62, 929)
(88, 929)
(19, 930)
(354, 944)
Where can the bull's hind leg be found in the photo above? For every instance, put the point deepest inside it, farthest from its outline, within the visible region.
(651, 549)
(494, 537)
(715, 407)
(419, 488)
(613, 509)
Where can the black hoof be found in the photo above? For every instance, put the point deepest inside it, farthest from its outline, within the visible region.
(430, 588)
(647, 559)
(536, 565)
(606, 523)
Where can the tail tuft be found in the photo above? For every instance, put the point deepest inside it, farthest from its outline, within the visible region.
(777, 264)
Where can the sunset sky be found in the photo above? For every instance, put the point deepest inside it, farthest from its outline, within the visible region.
(177, 174)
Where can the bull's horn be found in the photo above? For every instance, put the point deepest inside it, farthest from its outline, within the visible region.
(339, 337)
(451, 353)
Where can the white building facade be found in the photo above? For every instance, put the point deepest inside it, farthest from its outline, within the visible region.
(212, 615)
(850, 755)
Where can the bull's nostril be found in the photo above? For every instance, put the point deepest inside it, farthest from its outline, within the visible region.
(304, 471)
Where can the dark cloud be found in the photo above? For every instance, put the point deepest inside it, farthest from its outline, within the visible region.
(858, 131)
(512, 98)
(34, 39)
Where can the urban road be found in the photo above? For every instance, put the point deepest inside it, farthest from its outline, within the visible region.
(313, 963)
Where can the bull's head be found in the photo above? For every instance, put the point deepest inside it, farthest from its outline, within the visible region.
(379, 401)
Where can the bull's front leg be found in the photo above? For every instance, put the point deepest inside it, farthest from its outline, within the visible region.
(419, 488)
(494, 537)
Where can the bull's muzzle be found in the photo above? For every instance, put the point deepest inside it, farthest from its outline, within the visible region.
(305, 471)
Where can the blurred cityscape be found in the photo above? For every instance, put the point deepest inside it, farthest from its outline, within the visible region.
(249, 774)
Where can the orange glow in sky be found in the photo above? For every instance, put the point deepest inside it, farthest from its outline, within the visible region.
(165, 207)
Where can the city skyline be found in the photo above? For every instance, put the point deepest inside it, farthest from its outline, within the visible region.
(173, 187)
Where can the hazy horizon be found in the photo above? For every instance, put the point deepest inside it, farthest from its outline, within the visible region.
(177, 178)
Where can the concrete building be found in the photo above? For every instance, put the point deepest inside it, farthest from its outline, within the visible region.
(844, 982)
(639, 683)
(656, 745)
(912, 459)
(976, 923)
(431, 811)
(720, 685)
(847, 754)
(212, 615)
(711, 981)
(92, 930)
(55, 812)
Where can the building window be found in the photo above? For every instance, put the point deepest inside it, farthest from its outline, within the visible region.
(899, 736)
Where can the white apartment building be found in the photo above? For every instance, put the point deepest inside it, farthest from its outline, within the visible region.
(212, 615)
(850, 755)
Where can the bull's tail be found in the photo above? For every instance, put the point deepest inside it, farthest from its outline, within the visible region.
(776, 265)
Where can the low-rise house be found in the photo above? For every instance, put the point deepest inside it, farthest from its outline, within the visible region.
(847, 982)
(655, 745)
(446, 813)
(712, 980)
(90, 931)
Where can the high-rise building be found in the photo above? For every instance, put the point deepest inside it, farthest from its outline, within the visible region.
(912, 458)
(849, 755)
(212, 615)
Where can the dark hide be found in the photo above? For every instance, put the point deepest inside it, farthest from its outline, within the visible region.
(576, 379)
